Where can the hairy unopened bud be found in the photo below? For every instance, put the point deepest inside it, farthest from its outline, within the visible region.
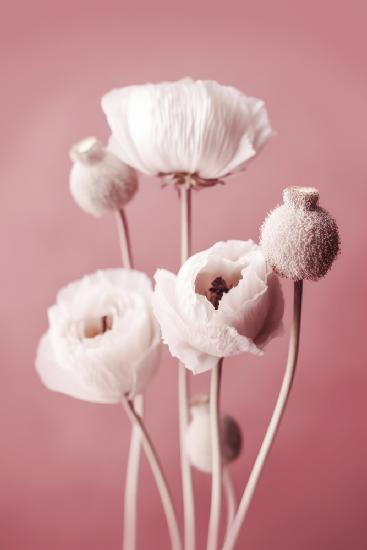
(99, 181)
(198, 436)
(299, 238)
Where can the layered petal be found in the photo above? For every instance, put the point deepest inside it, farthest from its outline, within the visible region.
(103, 340)
(194, 127)
(224, 301)
(71, 382)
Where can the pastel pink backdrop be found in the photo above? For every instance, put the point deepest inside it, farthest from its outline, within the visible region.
(62, 461)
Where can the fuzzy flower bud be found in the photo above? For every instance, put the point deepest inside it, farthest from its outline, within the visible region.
(100, 181)
(299, 238)
(198, 437)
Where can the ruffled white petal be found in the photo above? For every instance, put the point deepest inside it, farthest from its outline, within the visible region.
(144, 368)
(247, 316)
(196, 127)
(69, 382)
(80, 358)
(273, 324)
(198, 345)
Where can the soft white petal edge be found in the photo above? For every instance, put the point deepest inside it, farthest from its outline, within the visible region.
(67, 381)
(122, 114)
(198, 347)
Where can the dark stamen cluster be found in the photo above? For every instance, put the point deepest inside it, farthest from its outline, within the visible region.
(217, 289)
(106, 324)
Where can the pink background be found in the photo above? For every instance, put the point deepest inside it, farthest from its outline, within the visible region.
(62, 461)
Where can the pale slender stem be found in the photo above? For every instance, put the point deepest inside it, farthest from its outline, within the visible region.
(216, 498)
(158, 474)
(276, 418)
(185, 194)
(131, 482)
(183, 391)
(124, 239)
(132, 472)
(230, 498)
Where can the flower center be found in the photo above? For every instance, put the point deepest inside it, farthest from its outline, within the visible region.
(216, 290)
(217, 278)
(188, 181)
(96, 327)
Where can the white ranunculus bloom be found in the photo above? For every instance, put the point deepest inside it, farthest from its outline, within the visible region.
(224, 301)
(103, 341)
(200, 128)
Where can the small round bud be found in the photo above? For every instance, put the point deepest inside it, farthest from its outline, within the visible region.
(198, 436)
(99, 181)
(299, 238)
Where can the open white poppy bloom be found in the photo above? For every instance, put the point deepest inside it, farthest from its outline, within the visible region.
(103, 341)
(186, 128)
(224, 301)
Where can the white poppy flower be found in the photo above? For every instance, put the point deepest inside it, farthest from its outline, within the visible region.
(103, 341)
(224, 301)
(199, 128)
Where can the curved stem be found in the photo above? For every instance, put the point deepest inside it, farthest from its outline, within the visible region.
(157, 472)
(124, 238)
(274, 422)
(230, 498)
(131, 483)
(132, 472)
(183, 390)
(187, 488)
(216, 498)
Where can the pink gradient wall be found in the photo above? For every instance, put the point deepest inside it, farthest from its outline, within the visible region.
(62, 461)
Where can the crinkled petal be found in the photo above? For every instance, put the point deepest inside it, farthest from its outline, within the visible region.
(116, 105)
(246, 305)
(59, 379)
(146, 367)
(196, 361)
(197, 127)
(273, 325)
(165, 308)
(88, 361)
(193, 343)
(224, 128)
(129, 279)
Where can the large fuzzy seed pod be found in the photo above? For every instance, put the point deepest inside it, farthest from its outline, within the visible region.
(99, 181)
(299, 238)
(198, 437)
